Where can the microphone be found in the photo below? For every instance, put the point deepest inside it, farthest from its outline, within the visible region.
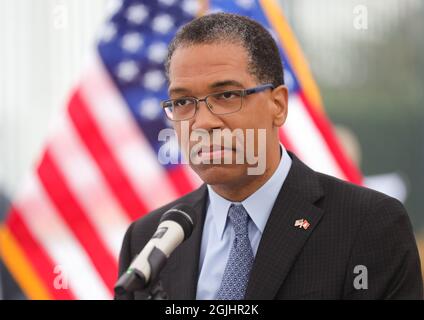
(175, 226)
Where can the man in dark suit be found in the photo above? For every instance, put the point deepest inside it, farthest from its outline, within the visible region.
(286, 232)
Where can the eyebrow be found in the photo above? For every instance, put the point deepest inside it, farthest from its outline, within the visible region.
(226, 83)
(215, 85)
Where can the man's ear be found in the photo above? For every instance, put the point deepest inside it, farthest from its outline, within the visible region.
(280, 99)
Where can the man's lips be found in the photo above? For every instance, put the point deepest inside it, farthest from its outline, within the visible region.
(211, 152)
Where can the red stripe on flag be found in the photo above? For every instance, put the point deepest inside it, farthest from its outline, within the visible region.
(322, 123)
(69, 208)
(91, 136)
(40, 260)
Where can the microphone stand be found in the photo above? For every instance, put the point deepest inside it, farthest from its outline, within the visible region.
(133, 280)
(153, 290)
(156, 292)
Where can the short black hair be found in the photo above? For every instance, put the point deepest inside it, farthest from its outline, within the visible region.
(262, 51)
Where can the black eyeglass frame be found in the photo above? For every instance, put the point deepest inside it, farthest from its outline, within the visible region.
(243, 92)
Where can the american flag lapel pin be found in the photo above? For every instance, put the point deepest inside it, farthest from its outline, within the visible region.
(302, 223)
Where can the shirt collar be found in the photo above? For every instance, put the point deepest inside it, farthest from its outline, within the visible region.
(259, 204)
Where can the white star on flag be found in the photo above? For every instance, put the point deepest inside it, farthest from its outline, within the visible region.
(113, 6)
(167, 2)
(192, 7)
(137, 14)
(127, 70)
(163, 23)
(154, 80)
(108, 33)
(215, 10)
(150, 108)
(157, 52)
(131, 42)
(245, 4)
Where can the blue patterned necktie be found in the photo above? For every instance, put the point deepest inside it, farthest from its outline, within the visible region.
(240, 260)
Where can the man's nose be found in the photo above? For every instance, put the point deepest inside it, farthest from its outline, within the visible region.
(205, 119)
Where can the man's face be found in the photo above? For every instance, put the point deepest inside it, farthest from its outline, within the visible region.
(199, 70)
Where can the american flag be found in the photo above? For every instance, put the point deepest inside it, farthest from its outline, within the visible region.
(99, 169)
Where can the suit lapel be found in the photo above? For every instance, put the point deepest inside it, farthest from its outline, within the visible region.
(281, 241)
(184, 266)
(280, 244)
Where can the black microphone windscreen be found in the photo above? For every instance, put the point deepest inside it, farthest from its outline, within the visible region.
(184, 215)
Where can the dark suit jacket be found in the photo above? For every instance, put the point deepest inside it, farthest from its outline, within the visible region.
(349, 226)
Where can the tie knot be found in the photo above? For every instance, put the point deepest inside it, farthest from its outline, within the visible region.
(239, 218)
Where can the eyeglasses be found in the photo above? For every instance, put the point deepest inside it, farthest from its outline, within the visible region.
(220, 103)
